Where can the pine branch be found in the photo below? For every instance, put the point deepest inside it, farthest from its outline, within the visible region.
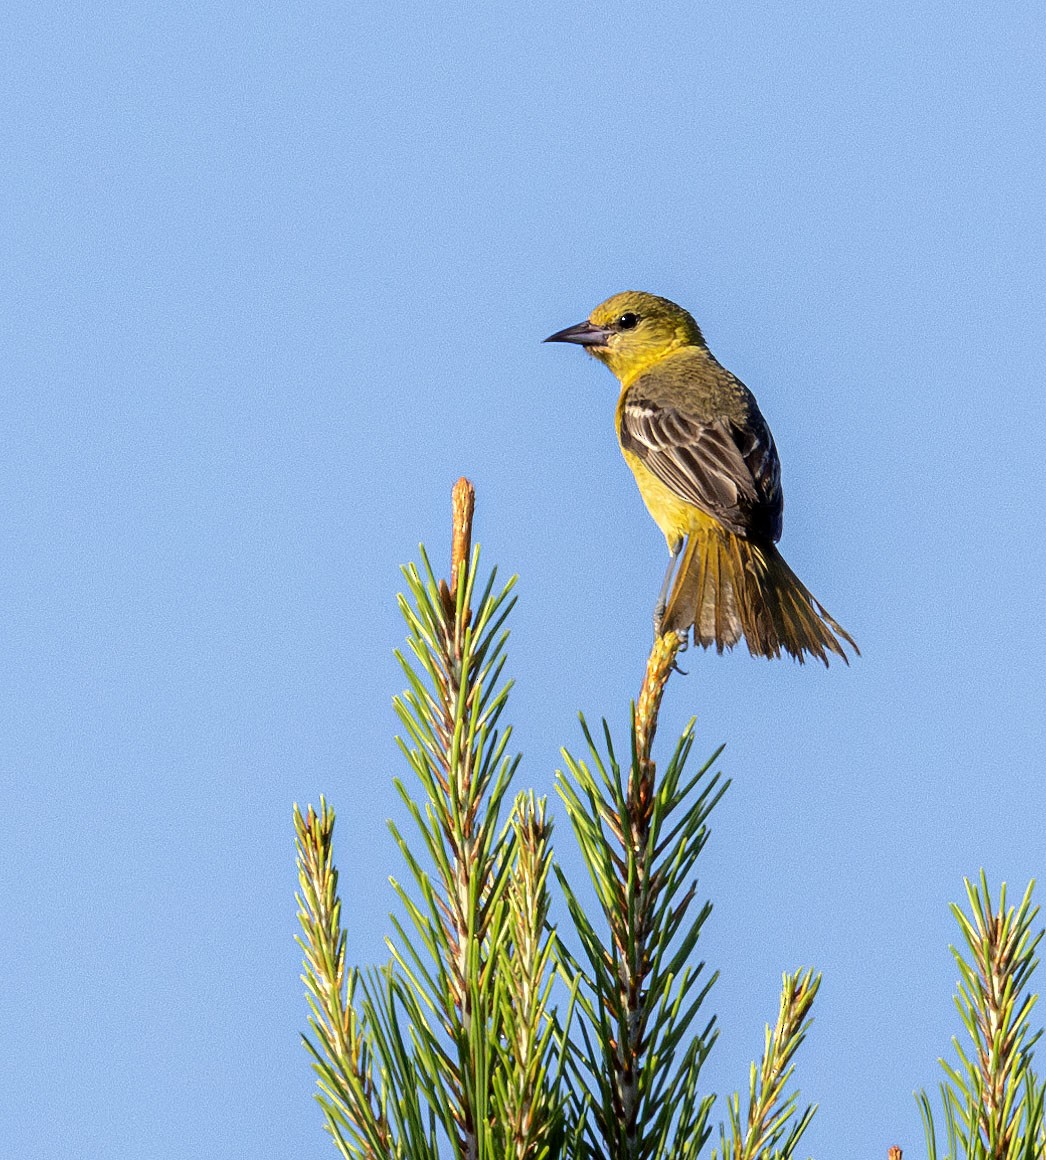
(770, 1129)
(341, 1053)
(992, 1099)
(528, 1099)
(450, 713)
(640, 838)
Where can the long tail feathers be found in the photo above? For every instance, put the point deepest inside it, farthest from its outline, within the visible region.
(727, 587)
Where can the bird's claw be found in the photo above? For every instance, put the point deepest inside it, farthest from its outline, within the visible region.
(684, 642)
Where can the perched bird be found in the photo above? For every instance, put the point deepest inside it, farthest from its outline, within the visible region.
(708, 471)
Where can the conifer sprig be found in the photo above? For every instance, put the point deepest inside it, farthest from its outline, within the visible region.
(341, 1052)
(993, 1102)
(450, 713)
(640, 837)
(770, 1130)
(528, 1098)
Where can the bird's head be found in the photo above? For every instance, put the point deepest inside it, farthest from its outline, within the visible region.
(632, 331)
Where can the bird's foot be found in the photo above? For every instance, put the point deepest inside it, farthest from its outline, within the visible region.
(659, 619)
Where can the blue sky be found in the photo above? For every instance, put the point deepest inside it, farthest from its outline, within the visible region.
(275, 276)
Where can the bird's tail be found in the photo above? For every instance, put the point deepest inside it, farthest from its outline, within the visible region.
(727, 587)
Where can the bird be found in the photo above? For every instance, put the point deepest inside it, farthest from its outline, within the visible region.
(709, 473)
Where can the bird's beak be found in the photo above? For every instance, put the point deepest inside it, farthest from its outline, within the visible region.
(584, 334)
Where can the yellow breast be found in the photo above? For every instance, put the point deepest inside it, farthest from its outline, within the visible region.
(674, 516)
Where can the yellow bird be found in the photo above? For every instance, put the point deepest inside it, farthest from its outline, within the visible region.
(708, 471)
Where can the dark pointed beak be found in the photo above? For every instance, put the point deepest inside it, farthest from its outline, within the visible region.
(584, 334)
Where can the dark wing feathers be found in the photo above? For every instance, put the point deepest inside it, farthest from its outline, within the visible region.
(731, 472)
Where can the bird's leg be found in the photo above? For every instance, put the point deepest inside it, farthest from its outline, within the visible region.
(662, 596)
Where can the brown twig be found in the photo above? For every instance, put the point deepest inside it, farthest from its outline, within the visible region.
(659, 666)
(463, 503)
(463, 506)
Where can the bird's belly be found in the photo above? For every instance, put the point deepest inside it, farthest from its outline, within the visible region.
(674, 516)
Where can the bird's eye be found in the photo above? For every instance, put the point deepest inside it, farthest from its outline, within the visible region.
(628, 321)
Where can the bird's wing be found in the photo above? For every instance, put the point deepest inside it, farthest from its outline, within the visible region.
(732, 473)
